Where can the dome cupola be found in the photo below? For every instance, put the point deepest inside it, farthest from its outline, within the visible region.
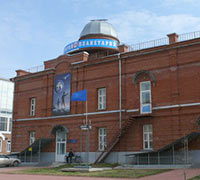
(98, 35)
(98, 27)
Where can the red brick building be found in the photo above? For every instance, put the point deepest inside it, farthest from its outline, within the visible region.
(143, 102)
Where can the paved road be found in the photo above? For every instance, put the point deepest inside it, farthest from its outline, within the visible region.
(177, 174)
(41, 177)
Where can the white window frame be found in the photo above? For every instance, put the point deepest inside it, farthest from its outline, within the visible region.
(32, 137)
(0, 145)
(8, 146)
(102, 139)
(142, 105)
(148, 137)
(10, 125)
(6, 124)
(32, 106)
(101, 98)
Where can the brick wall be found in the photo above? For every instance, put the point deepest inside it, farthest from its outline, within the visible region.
(176, 70)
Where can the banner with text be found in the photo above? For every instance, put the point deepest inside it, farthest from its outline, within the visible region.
(105, 43)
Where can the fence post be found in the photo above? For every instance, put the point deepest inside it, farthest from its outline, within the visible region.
(158, 157)
(39, 150)
(173, 154)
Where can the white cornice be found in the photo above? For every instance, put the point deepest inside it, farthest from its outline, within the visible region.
(110, 112)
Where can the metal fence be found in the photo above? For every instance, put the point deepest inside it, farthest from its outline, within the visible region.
(35, 69)
(189, 36)
(155, 160)
(149, 44)
(163, 41)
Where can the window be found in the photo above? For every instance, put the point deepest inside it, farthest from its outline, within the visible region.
(32, 137)
(3, 123)
(10, 124)
(0, 145)
(102, 98)
(32, 108)
(6, 95)
(145, 97)
(102, 139)
(8, 146)
(147, 136)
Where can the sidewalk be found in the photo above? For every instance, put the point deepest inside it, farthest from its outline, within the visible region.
(10, 169)
(177, 174)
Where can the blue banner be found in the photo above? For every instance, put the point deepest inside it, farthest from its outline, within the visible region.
(106, 43)
(79, 96)
(61, 96)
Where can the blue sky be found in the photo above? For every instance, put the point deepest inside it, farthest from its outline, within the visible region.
(33, 31)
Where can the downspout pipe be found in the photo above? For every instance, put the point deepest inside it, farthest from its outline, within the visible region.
(120, 92)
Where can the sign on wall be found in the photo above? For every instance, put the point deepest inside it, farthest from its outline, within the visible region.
(105, 43)
(72, 141)
(61, 96)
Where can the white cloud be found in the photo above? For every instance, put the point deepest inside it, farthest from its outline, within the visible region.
(13, 28)
(180, 2)
(137, 26)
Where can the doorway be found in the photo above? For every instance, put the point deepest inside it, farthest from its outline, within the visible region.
(60, 145)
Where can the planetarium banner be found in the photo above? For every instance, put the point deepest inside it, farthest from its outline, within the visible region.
(87, 43)
(61, 97)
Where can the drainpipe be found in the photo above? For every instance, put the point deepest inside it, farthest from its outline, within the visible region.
(120, 92)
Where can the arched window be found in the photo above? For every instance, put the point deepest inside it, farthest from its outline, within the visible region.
(145, 97)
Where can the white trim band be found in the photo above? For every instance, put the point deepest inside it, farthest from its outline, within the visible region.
(109, 112)
(132, 110)
(67, 116)
(176, 106)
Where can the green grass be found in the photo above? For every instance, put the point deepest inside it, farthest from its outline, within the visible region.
(195, 178)
(115, 173)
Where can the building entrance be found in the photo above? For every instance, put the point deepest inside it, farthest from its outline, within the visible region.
(60, 145)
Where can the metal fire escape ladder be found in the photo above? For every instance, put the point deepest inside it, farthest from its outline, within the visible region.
(115, 140)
